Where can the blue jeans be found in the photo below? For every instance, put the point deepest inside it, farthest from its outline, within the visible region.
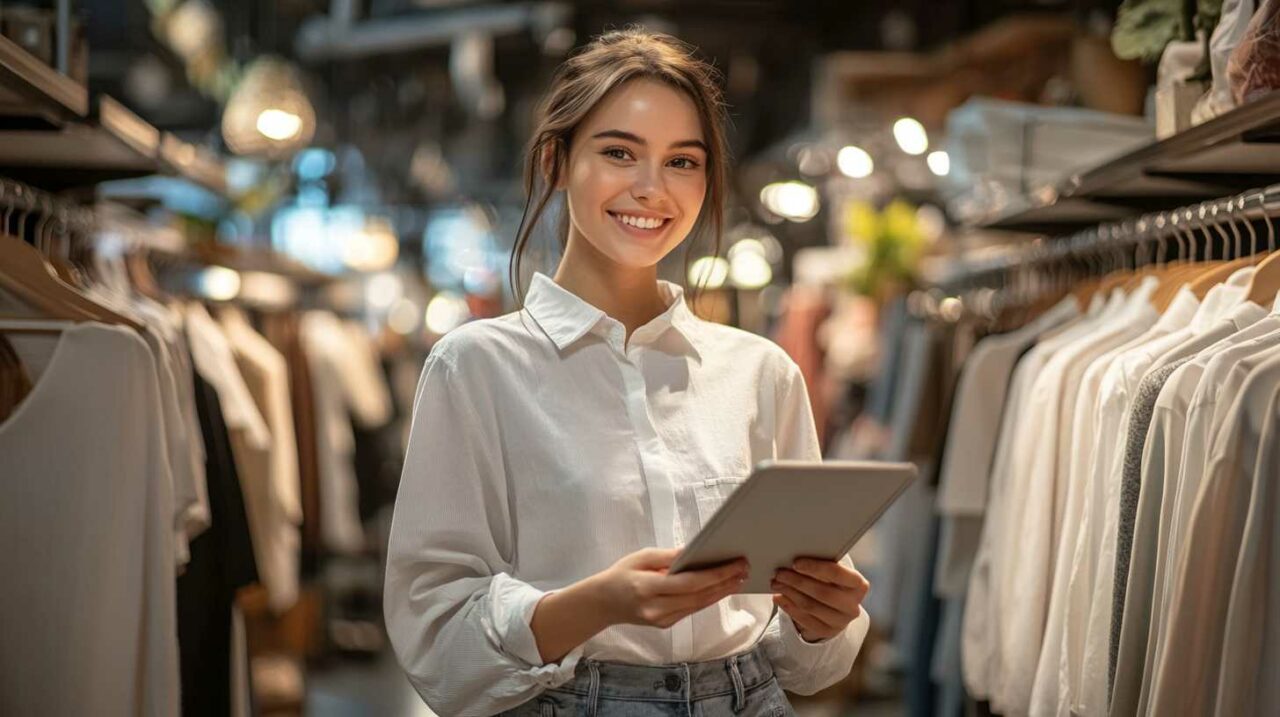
(741, 685)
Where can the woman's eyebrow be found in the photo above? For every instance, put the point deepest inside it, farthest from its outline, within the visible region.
(622, 134)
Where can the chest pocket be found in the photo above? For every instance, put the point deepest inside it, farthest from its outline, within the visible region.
(712, 493)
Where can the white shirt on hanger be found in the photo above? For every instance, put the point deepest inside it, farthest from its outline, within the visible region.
(1163, 445)
(1242, 688)
(1119, 386)
(543, 449)
(980, 638)
(1043, 651)
(1189, 661)
(1162, 462)
(88, 611)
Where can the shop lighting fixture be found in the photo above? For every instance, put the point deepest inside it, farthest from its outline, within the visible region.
(383, 290)
(269, 113)
(749, 270)
(939, 163)
(279, 125)
(910, 135)
(445, 312)
(854, 162)
(747, 246)
(792, 200)
(374, 248)
(709, 271)
(403, 317)
(219, 283)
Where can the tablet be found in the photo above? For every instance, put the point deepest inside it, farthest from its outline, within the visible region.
(791, 509)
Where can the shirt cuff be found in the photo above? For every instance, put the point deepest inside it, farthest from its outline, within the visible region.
(792, 638)
(511, 606)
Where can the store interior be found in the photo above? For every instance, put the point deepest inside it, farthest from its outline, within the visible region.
(292, 201)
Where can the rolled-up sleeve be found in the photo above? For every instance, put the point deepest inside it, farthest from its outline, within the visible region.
(458, 620)
(805, 667)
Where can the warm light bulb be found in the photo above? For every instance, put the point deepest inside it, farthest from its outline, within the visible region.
(854, 162)
(911, 136)
(939, 163)
(709, 272)
(279, 125)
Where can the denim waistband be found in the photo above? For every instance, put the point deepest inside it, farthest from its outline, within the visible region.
(685, 681)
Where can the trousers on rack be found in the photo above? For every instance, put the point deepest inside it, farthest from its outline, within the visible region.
(741, 685)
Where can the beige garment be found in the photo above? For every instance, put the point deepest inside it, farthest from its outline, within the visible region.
(268, 477)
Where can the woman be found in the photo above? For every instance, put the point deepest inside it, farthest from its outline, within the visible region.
(561, 453)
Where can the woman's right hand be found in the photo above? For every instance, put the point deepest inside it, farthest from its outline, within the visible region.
(637, 590)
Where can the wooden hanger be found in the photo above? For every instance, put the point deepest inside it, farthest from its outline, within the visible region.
(25, 275)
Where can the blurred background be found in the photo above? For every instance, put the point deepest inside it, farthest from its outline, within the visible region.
(343, 179)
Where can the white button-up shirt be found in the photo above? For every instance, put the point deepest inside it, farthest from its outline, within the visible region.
(545, 446)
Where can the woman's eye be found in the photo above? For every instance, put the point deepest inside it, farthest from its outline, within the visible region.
(615, 153)
(688, 163)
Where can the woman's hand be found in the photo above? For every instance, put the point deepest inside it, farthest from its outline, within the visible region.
(821, 596)
(637, 590)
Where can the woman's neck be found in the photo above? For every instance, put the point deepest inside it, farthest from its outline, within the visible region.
(629, 295)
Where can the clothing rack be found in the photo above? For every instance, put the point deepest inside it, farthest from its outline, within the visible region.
(1127, 244)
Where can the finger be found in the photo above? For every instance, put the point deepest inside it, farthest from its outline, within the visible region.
(806, 622)
(830, 571)
(656, 557)
(695, 580)
(841, 599)
(829, 617)
(676, 608)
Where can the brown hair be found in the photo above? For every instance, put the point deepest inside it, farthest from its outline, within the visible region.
(580, 83)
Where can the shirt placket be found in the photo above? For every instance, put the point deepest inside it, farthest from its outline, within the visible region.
(657, 476)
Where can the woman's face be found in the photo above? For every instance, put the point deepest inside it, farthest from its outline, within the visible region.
(637, 173)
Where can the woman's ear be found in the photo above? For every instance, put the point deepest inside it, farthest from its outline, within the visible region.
(548, 161)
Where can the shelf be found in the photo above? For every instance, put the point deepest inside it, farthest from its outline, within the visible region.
(1233, 152)
(34, 95)
(113, 144)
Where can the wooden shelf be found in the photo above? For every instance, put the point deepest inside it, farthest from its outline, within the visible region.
(1230, 153)
(112, 144)
(34, 95)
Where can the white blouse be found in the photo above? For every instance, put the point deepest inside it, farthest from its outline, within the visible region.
(544, 447)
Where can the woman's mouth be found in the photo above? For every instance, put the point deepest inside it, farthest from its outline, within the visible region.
(640, 226)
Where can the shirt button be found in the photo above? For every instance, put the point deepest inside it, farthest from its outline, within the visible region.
(673, 682)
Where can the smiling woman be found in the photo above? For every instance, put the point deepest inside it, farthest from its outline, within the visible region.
(633, 131)
(558, 452)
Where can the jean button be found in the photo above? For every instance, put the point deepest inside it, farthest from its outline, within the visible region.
(673, 682)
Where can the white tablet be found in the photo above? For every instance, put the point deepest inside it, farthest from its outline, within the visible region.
(791, 509)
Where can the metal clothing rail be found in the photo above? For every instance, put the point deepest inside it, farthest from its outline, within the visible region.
(1255, 204)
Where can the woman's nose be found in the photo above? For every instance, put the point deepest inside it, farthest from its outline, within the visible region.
(648, 184)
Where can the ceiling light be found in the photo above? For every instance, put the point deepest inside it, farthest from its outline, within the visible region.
(279, 125)
(219, 283)
(854, 162)
(446, 312)
(269, 113)
(749, 270)
(709, 272)
(911, 136)
(939, 163)
(793, 200)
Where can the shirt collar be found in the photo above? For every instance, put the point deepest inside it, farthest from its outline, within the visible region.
(567, 317)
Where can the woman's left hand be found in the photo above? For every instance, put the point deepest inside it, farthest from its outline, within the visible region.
(821, 596)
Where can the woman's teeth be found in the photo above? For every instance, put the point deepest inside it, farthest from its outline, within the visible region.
(640, 222)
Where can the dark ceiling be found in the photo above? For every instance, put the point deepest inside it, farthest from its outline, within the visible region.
(387, 102)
